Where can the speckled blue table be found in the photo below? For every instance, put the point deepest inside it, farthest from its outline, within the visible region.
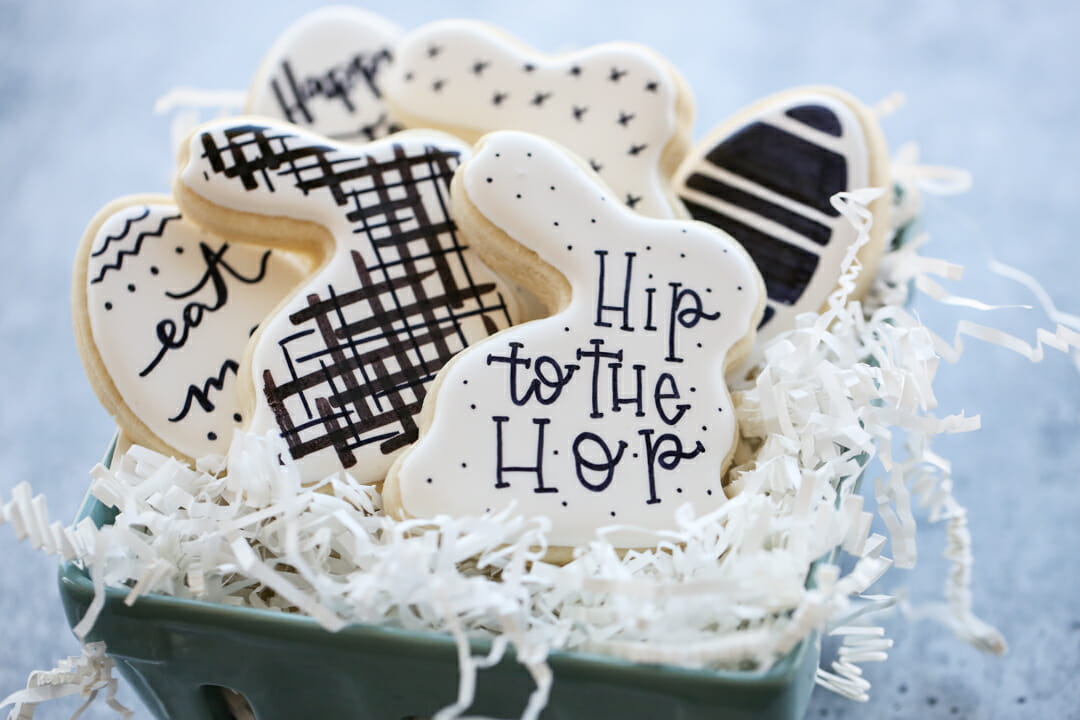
(991, 87)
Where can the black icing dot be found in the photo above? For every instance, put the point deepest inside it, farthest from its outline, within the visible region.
(569, 247)
(429, 481)
(489, 180)
(552, 187)
(529, 67)
(699, 344)
(211, 435)
(708, 492)
(612, 513)
(566, 329)
(650, 276)
(518, 196)
(738, 287)
(678, 490)
(704, 428)
(564, 503)
(556, 223)
(108, 306)
(693, 389)
(464, 382)
(472, 406)
(725, 249)
(708, 289)
(131, 287)
(464, 465)
(528, 154)
(179, 250)
(154, 270)
(634, 454)
(237, 417)
(408, 76)
(719, 409)
(554, 452)
(648, 247)
(498, 154)
(592, 220)
(682, 255)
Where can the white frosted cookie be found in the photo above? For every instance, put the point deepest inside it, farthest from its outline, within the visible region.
(325, 74)
(614, 409)
(621, 107)
(162, 313)
(766, 176)
(342, 367)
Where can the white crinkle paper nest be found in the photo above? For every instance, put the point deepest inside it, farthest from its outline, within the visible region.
(738, 587)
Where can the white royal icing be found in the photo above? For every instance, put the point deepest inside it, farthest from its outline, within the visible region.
(325, 73)
(778, 224)
(171, 309)
(656, 306)
(343, 367)
(613, 104)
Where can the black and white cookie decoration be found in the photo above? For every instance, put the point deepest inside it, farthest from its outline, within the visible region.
(163, 311)
(325, 73)
(621, 107)
(766, 177)
(341, 369)
(613, 410)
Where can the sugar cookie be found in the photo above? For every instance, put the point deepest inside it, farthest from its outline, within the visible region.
(621, 107)
(342, 367)
(325, 74)
(162, 313)
(613, 410)
(766, 175)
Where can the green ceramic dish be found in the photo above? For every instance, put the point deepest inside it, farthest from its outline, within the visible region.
(179, 655)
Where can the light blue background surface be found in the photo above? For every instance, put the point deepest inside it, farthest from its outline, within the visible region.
(991, 87)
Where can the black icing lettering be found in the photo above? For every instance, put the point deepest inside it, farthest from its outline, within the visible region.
(667, 459)
(537, 469)
(625, 307)
(637, 398)
(666, 389)
(555, 378)
(201, 395)
(606, 466)
(193, 312)
(649, 292)
(336, 83)
(686, 317)
(597, 354)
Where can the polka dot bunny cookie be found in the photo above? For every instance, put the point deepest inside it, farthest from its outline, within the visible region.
(621, 107)
(325, 74)
(343, 365)
(613, 409)
(766, 176)
(162, 313)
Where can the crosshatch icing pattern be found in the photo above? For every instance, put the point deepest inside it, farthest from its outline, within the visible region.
(342, 371)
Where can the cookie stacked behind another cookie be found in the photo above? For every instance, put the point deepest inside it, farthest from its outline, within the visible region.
(336, 279)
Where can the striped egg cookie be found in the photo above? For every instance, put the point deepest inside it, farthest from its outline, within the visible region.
(766, 177)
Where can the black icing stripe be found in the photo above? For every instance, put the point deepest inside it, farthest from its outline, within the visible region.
(818, 117)
(784, 163)
(769, 312)
(785, 268)
(810, 229)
